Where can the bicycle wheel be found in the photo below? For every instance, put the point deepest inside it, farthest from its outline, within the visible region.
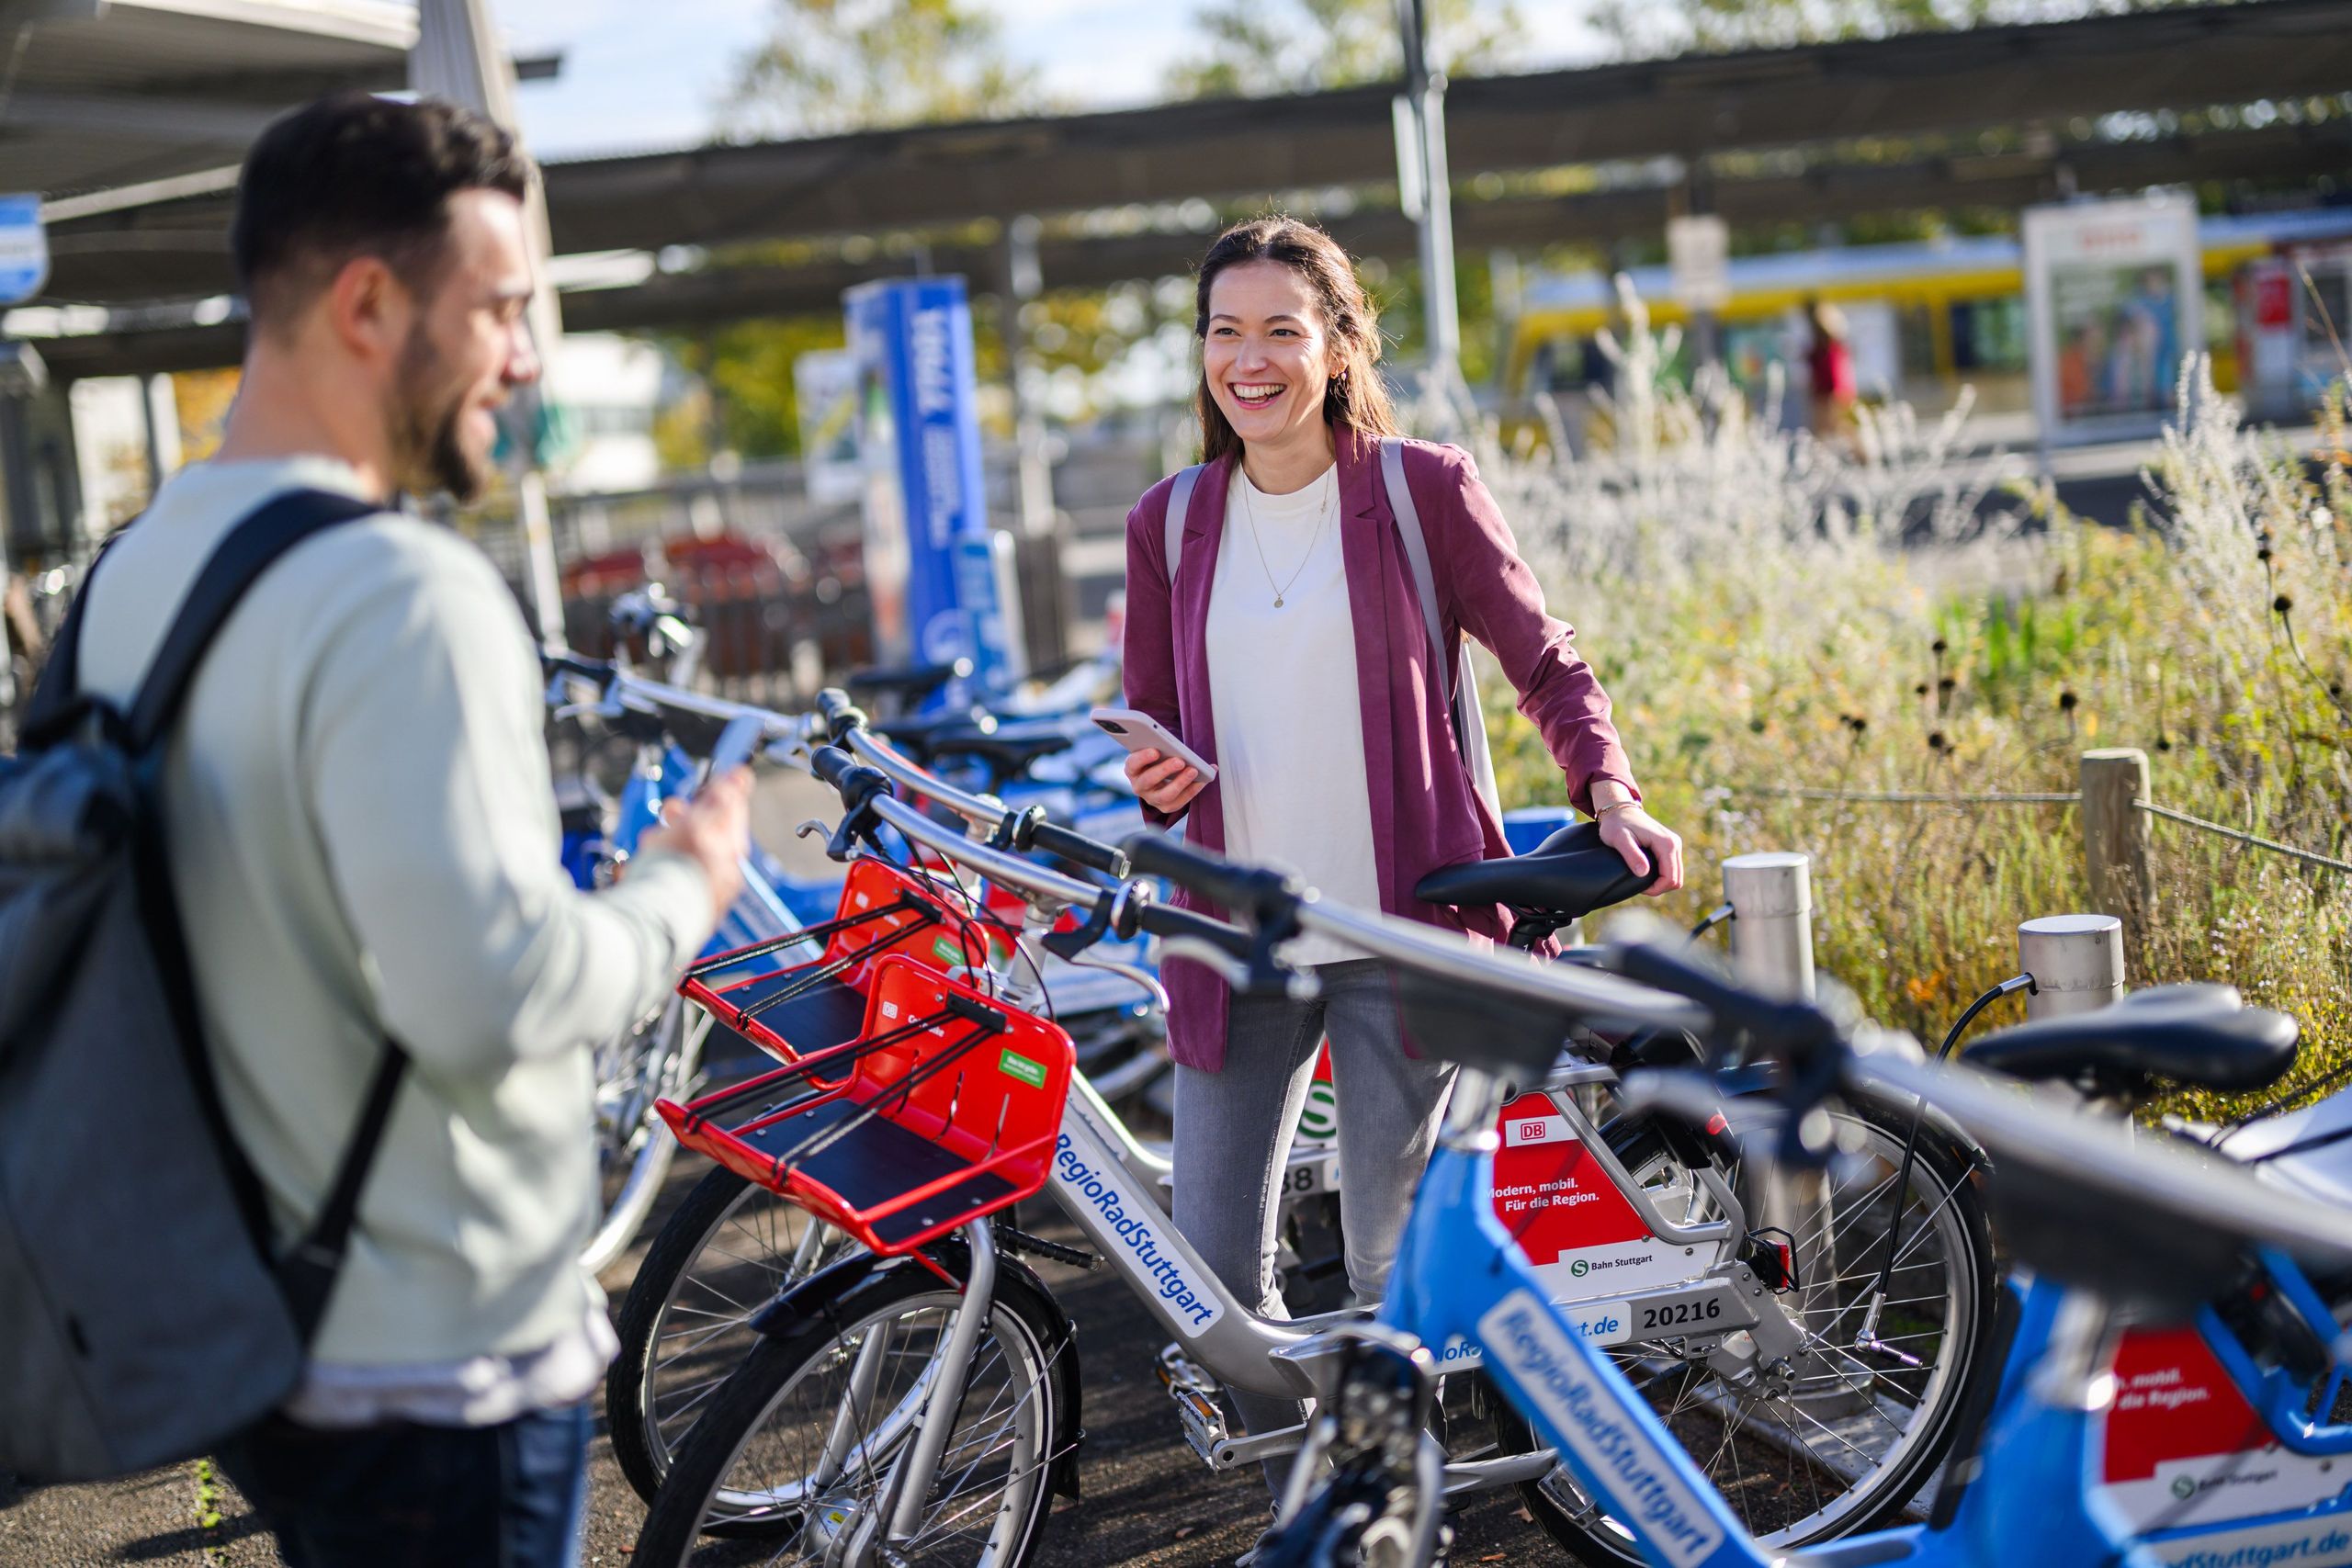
(685, 1323)
(1838, 1441)
(795, 1446)
(657, 1058)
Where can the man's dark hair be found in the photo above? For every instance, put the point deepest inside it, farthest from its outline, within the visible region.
(356, 174)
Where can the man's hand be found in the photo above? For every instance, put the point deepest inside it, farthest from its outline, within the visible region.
(714, 831)
(1642, 838)
(1164, 785)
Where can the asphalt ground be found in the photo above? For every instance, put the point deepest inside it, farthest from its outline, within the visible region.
(1146, 1499)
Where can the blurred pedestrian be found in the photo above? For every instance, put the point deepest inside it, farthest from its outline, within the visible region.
(363, 841)
(1288, 648)
(1829, 369)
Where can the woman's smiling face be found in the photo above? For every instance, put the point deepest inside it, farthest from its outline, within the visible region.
(1266, 356)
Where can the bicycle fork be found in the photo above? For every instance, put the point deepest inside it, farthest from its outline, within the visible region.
(897, 1513)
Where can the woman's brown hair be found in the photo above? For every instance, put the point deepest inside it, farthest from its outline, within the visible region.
(1354, 397)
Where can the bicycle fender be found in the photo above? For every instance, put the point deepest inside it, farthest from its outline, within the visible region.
(815, 1296)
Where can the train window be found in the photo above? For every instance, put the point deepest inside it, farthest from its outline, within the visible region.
(1988, 334)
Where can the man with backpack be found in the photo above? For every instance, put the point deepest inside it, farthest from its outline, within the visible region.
(354, 813)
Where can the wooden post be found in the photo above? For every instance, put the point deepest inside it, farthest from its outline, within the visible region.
(2115, 832)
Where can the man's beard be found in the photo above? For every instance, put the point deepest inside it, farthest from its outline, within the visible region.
(432, 451)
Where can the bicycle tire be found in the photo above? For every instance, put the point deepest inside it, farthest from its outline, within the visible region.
(674, 1047)
(1592, 1539)
(1025, 1323)
(646, 1412)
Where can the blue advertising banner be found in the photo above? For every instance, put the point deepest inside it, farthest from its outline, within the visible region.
(919, 427)
(24, 248)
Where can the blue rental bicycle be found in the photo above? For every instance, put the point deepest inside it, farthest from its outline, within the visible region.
(2116, 1231)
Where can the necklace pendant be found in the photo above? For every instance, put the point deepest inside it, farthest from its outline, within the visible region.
(1278, 601)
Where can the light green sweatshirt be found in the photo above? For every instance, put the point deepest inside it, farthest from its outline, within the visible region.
(364, 839)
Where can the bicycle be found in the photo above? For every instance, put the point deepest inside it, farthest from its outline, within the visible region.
(732, 1244)
(1218, 1340)
(2110, 1226)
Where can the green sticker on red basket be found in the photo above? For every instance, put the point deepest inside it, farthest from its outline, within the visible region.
(948, 950)
(1012, 1064)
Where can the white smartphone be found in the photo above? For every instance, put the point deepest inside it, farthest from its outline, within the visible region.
(1135, 730)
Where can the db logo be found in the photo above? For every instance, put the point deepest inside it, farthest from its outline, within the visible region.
(1580, 1267)
(1531, 1131)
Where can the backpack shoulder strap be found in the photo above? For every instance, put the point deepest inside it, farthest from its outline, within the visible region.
(1179, 506)
(277, 526)
(1417, 556)
(307, 1273)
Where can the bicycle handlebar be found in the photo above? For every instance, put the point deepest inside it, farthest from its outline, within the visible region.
(1031, 830)
(1168, 920)
(600, 670)
(1249, 892)
(1784, 1028)
(1262, 897)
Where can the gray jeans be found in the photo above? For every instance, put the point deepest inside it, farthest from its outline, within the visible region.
(1233, 1138)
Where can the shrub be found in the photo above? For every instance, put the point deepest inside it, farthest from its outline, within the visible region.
(1774, 612)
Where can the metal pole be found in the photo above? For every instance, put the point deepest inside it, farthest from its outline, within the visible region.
(1771, 932)
(2076, 961)
(1024, 280)
(457, 57)
(1422, 171)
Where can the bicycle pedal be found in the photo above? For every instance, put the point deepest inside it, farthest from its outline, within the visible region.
(1198, 1409)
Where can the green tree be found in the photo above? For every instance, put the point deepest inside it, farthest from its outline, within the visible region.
(1261, 48)
(839, 65)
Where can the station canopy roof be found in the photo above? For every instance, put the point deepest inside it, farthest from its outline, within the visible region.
(106, 94)
(2054, 76)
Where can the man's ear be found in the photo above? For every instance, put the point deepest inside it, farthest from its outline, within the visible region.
(367, 309)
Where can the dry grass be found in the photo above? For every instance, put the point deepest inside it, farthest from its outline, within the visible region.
(1770, 612)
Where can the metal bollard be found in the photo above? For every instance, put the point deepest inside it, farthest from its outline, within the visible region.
(1772, 930)
(2076, 961)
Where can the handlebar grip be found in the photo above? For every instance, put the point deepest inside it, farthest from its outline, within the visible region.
(597, 669)
(1078, 849)
(1246, 890)
(856, 783)
(1776, 1024)
(840, 714)
(1166, 919)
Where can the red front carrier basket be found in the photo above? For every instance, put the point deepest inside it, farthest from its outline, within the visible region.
(945, 1109)
(790, 1010)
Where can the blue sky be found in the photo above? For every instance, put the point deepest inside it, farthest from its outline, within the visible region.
(640, 75)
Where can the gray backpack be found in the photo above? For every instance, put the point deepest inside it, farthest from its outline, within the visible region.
(144, 1314)
(1458, 691)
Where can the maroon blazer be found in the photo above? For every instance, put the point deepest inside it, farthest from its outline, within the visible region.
(1424, 813)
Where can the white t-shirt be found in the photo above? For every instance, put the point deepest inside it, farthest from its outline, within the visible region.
(1283, 687)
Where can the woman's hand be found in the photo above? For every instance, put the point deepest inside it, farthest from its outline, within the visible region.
(1642, 839)
(1168, 786)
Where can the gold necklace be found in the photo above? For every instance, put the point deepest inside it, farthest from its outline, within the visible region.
(1250, 510)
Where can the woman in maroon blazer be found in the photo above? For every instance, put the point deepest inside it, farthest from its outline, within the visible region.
(1290, 652)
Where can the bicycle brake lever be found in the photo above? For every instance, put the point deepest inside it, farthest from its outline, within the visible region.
(1142, 978)
(1261, 978)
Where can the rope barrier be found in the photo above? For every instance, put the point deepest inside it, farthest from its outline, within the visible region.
(1908, 798)
(2183, 818)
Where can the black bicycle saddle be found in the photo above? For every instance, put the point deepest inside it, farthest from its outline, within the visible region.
(2202, 1037)
(1568, 874)
(910, 682)
(1005, 750)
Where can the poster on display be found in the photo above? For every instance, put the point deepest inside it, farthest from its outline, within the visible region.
(918, 443)
(2114, 303)
(825, 389)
